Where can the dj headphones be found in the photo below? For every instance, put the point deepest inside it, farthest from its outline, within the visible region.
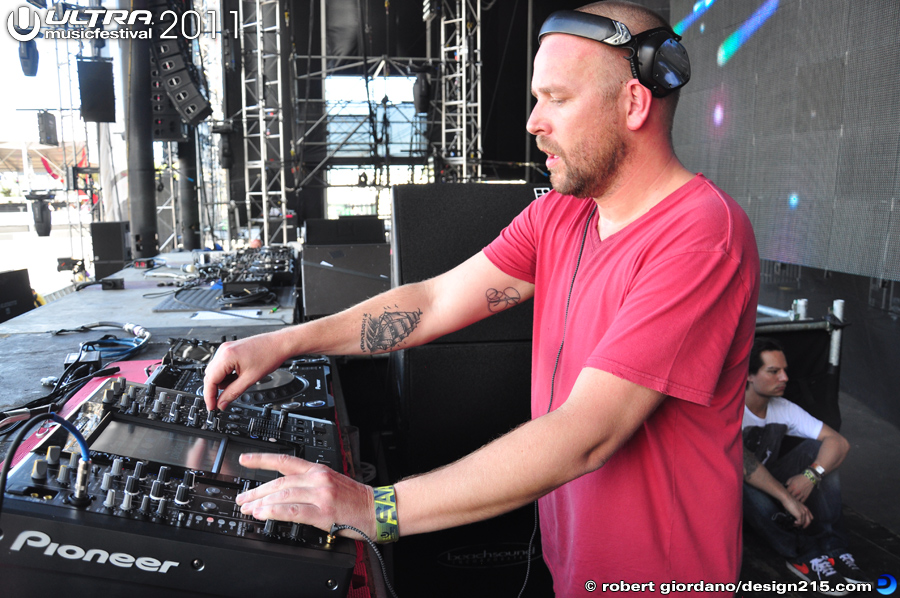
(658, 60)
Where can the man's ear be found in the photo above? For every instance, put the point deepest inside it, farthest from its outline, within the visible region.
(639, 99)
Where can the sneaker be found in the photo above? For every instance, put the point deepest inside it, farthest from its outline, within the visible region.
(846, 566)
(820, 569)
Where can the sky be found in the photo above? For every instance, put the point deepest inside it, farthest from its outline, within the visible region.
(21, 95)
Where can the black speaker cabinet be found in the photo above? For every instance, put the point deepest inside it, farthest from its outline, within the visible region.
(112, 246)
(47, 128)
(336, 277)
(488, 558)
(15, 294)
(436, 227)
(98, 97)
(453, 399)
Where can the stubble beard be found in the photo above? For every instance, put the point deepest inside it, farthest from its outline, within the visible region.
(592, 176)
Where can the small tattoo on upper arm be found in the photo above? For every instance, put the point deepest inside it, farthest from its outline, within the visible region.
(499, 300)
(385, 332)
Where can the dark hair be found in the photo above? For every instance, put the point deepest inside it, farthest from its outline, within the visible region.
(761, 344)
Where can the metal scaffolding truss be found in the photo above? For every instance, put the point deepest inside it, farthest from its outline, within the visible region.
(461, 89)
(351, 132)
(263, 119)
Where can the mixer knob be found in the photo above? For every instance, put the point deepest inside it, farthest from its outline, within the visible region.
(157, 406)
(163, 474)
(161, 509)
(106, 484)
(39, 470)
(110, 501)
(156, 490)
(126, 502)
(181, 495)
(53, 453)
(131, 485)
(117, 467)
(139, 470)
(109, 398)
(145, 505)
(269, 529)
(179, 400)
(62, 477)
(188, 479)
(295, 531)
(192, 417)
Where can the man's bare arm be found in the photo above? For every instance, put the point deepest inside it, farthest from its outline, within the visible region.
(756, 474)
(601, 413)
(406, 316)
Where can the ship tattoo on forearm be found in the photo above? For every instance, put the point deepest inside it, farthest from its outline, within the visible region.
(385, 332)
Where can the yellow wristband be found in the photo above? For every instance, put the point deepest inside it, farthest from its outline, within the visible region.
(386, 522)
(811, 475)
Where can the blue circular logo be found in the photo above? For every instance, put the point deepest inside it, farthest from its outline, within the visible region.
(887, 585)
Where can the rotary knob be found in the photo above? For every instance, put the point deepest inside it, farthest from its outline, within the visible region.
(181, 494)
(156, 490)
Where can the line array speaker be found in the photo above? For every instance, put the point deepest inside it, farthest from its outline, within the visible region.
(180, 80)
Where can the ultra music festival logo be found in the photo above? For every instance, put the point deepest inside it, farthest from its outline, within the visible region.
(25, 23)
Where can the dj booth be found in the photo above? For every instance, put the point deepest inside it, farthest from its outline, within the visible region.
(146, 503)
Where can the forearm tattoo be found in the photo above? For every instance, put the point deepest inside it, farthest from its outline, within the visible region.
(751, 463)
(500, 300)
(385, 332)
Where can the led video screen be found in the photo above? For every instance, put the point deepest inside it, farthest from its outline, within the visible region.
(793, 109)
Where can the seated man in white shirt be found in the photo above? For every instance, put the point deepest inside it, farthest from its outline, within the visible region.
(793, 500)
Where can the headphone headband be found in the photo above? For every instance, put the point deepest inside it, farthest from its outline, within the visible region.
(657, 58)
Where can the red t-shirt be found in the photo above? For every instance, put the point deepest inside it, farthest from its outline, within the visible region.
(668, 302)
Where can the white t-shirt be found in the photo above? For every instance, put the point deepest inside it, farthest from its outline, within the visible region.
(781, 411)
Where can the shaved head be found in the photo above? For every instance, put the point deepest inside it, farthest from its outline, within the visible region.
(638, 19)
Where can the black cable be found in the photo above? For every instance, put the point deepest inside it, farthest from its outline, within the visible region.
(247, 297)
(337, 527)
(14, 446)
(587, 227)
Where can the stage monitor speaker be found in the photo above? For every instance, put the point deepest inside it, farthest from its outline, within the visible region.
(438, 226)
(98, 94)
(344, 231)
(47, 128)
(111, 241)
(15, 294)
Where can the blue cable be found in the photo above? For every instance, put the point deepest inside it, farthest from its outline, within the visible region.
(85, 454)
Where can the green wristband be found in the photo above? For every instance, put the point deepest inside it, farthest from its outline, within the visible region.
(811, 475)
(386, 522)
